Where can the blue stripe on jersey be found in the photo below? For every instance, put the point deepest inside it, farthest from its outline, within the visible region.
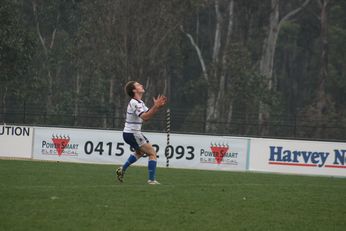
(133, 122)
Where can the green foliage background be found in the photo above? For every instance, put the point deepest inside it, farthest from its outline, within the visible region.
(66, 62)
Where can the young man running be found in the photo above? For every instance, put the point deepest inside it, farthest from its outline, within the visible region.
(136, 113)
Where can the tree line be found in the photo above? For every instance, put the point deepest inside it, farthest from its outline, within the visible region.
(241, 67)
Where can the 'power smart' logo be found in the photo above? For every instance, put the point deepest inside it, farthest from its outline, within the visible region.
(218, 154)
(59, 145)
(219, 151)
(60, 142)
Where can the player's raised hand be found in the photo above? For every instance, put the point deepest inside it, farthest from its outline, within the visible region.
(160, 101)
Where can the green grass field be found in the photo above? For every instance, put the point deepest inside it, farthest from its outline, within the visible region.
(66, 196)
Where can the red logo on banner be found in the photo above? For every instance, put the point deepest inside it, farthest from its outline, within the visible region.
(219, 151)
(60, 142)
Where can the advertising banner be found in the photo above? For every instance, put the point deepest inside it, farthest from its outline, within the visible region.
(15, 141)
(208, 152)
(296, 156)
(105, 146)
(79, 145)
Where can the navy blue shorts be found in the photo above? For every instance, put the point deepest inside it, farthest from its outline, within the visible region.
(135, 140)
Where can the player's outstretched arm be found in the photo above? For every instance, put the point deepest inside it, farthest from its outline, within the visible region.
(159, 102)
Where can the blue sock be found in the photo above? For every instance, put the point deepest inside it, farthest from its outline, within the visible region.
(129, 161)
(152, 169)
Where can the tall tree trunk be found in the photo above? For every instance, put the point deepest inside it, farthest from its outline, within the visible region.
(216, 111)
(266, 63)
(76, 102)
(105, 116)
(214, 91)
(268, 54)
(4, 105)
(111, 100)
(323, 103)
(217, 36)
(46, 49)
(228, 111)
(321, 94)
(199, 54)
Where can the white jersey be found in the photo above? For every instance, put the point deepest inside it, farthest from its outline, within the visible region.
(133, 122)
